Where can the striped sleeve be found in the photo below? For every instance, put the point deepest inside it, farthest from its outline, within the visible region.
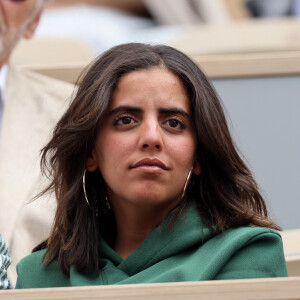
(4, 264)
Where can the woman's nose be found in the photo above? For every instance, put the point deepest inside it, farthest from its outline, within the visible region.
(151, 136)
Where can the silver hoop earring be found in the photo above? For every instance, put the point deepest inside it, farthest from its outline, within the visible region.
(84, 190)
(85, 195)
(188, 178)
(107, 203)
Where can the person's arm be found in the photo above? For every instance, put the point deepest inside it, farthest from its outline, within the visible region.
(4, 264)
(132, 6)
(262, 257)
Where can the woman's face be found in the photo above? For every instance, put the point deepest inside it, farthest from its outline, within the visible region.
(146, 145)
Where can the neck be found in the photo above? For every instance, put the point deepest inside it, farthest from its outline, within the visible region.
(134, 225)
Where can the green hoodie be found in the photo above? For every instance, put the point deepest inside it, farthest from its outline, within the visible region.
(188, 252)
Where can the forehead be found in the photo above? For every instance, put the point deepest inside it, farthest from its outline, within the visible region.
(149, 73)
(149, 85)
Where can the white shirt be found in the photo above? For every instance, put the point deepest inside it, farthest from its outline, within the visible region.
(3, 78)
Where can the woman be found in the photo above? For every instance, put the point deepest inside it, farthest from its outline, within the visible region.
(5, 261)
(149, 185)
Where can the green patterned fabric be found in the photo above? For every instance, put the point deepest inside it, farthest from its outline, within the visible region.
(188, 252)
(4, 264)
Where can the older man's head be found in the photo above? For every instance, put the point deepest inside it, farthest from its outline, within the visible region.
(18, 18)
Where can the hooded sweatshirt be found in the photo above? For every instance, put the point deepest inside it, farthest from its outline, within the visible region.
(187, 252)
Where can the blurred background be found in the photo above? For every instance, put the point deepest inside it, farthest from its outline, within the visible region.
(195, 26)
(250, 49)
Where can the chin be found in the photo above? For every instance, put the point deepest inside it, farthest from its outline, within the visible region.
(146, 198)
(152, 199)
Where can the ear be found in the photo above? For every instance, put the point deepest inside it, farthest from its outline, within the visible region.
(196, 168)
(31, 27)
(92, 162)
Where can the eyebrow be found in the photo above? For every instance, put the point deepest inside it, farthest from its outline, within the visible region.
(167, 111)
(125, 108)
(175, 111)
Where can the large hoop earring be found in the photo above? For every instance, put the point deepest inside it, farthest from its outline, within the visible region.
(85, 195)
(84, 190)
(107, 203)
(188, 178)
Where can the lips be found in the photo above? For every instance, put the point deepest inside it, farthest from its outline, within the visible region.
(148, 162)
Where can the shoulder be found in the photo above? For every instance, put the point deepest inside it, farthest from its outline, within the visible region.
(252, 239)
(40, 93)
(31, 262)
(30, 268)
(38, 83)
(244, 235)
(33, 274)
(253, 252)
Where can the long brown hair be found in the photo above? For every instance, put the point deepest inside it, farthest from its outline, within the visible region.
(225, 192)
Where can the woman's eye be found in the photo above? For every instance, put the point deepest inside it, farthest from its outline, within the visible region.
(124, 121)
(174, 123)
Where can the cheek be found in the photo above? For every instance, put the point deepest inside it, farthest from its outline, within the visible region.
(184, 152)
(114, 148)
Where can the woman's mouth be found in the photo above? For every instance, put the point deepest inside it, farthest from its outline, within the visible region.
(150, 165)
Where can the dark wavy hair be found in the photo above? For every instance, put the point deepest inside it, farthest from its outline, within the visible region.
(225, 192)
